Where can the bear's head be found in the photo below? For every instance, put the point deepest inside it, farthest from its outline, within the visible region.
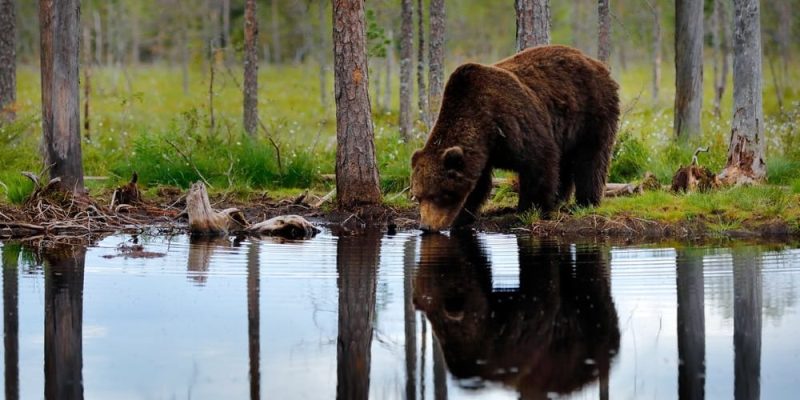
(441, 184)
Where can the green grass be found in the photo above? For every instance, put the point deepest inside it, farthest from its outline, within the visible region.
(141, 115)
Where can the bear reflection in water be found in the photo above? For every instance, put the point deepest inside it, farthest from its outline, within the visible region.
(556, 333)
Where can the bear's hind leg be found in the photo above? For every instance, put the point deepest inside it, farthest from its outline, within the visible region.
(537, 188)
(591, 170)
(566, 179)
(475, 199)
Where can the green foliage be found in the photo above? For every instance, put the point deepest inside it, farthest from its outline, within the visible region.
(529, 217)
(377, 41)
(781, 170)
(14, 187)
(629, 159)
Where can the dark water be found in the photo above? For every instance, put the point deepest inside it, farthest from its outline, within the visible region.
(408, 316)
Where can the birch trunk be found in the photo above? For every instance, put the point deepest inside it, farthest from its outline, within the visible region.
(604, 31)
(60, 41)
(356, 170)
(688, 68)
(250, 68)
(8, 61)
(406, 46)
(746, 150)
(436, 57)
(533, 23)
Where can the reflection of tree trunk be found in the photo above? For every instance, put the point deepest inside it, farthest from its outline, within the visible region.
(410, 318)
(691, 326)
(747, 299)
(439, 371)
(10, 257)
(357, 265)
(63, 323)
(253, 319)
(423, 350)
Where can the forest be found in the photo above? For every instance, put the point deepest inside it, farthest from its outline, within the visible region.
(242, 95)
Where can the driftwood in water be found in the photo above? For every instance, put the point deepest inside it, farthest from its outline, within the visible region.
(694, 177)
(205, 221)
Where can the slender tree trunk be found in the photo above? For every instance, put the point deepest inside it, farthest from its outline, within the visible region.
(785, 33)
(250, 68)
(691, 326)
(422, 91)
(436, 57)
(357, 264)
(8, 61)
(98, 38)
(747, 309)
(410, 318)
(109, 31)
(575, 25)
(63, 323)
(254, 317)
(604, 30)
(10, 261)
(356, 169)
(226, 22)
(656, 50)
(87, 81)
(533, 23)
(688, 68)
(276, 33)
(722, 51)
(746, 150)
(387, 90)
(321, 55)
(60, 43)
(406, 87)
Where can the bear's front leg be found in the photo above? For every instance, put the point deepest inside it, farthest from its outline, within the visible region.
(475, 200)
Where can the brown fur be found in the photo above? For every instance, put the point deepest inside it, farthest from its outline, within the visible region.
(548, 113)
(536, 338)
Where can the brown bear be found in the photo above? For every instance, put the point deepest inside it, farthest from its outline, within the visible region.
(548, 113)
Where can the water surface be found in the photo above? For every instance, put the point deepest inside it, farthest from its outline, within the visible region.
(403, 316)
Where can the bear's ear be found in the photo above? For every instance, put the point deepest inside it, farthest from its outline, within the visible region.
(453, 158)
(415, 157)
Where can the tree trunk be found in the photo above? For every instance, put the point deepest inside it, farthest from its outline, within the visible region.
(747, 309)
(254, 318)
(60, 41)
(8, 61)
(226, 22)
(576, 25)
(135, 36)
(746, 150)
(691, 326)
(410, 318)
(656, 50)
(688, 68)
(63, 323)
(250, 68)
(785, 34)
(276, 33)
(387, 89)
(321, 55)
(98, 38)
(436, 57)
(533, 23)
(10, 263)
(87, 81)
(356, 169)
(357, 265)
(406, 46)
(422, 92)
(604, 30)
(721, 37)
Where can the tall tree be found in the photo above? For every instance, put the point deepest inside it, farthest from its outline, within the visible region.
(63, 323)
(60, 41)
(8, 60)
(746, 150)
(604, 30)
(533, 23)
(436, 57)
(656, 50)
(688, 67)
(406, 46)
(250, 68)
(691, 326)
(356, 169)
(357, 264)
(720, 39)
(422, 92)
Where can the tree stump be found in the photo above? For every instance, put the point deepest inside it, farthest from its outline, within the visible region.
(204, 221)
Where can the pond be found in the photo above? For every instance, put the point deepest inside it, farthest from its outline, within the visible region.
(408, 316)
